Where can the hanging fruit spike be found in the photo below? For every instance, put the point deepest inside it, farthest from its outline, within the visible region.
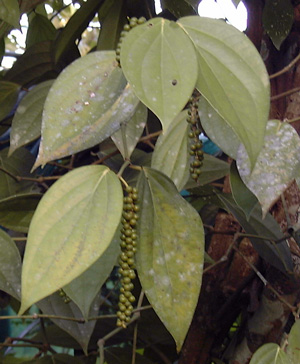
(128, 249)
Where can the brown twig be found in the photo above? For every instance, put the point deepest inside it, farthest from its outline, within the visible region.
(286, 93)
(286, 68)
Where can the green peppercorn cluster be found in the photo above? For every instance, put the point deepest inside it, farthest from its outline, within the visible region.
(64, 296)
(128, 250)
(195, 143)
(133, 22)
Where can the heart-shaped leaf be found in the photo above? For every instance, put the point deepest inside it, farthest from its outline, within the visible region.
(86, 104)
(171, 153)
(79, 215)
(26, 124)
(232, 77)
(277, 165)
(10, 266)
(170, 252)
(159, 61)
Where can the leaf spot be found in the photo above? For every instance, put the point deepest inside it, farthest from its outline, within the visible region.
(174, 82)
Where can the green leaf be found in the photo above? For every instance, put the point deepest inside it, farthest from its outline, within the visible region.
(278, 18)
(16, 211)
(75, 27)
(81, 332)
(79, 215)
(217, 129)
(18, 164)
(179, 8)
(10, 266)
(10, 12)
(170, 252)
(277, 165)
(34, 64)
(243, 197)
(127, 137)
(83, 289)
(293, 349)
(26, 124)
(171, 153)
(40, 29)
(9, 92)
(277, 254)
(211, 170)
(270, 354)
(232, 77)
(86, 104)
(111, 25)
(159, 61)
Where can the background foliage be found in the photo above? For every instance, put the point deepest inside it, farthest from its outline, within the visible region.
(203, 122)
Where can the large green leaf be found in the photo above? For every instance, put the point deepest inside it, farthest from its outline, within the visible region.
(26, 124)
(277, 165)
(270, 354)
(171, 153)
(217, 129)
(278, 19)
(117, 355)
(10, 12)
(159, 61)
(81, 332)
(83, 289)
(16, 211)
(86, 104)
(9, 92)
(232, 77)
(40, 29)
(10, 266)
(293, 349)
(243, 197)
(18, 164)
(127, 137)
(170, 252)
(79, 215)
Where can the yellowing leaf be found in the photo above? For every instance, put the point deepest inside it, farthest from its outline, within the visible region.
(86, 104)
(171, 153)
(232, 77)
(72, 227)
(170, 252)
(277, 165)
(160, 63)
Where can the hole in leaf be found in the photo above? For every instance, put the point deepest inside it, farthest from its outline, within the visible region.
(174, 82)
